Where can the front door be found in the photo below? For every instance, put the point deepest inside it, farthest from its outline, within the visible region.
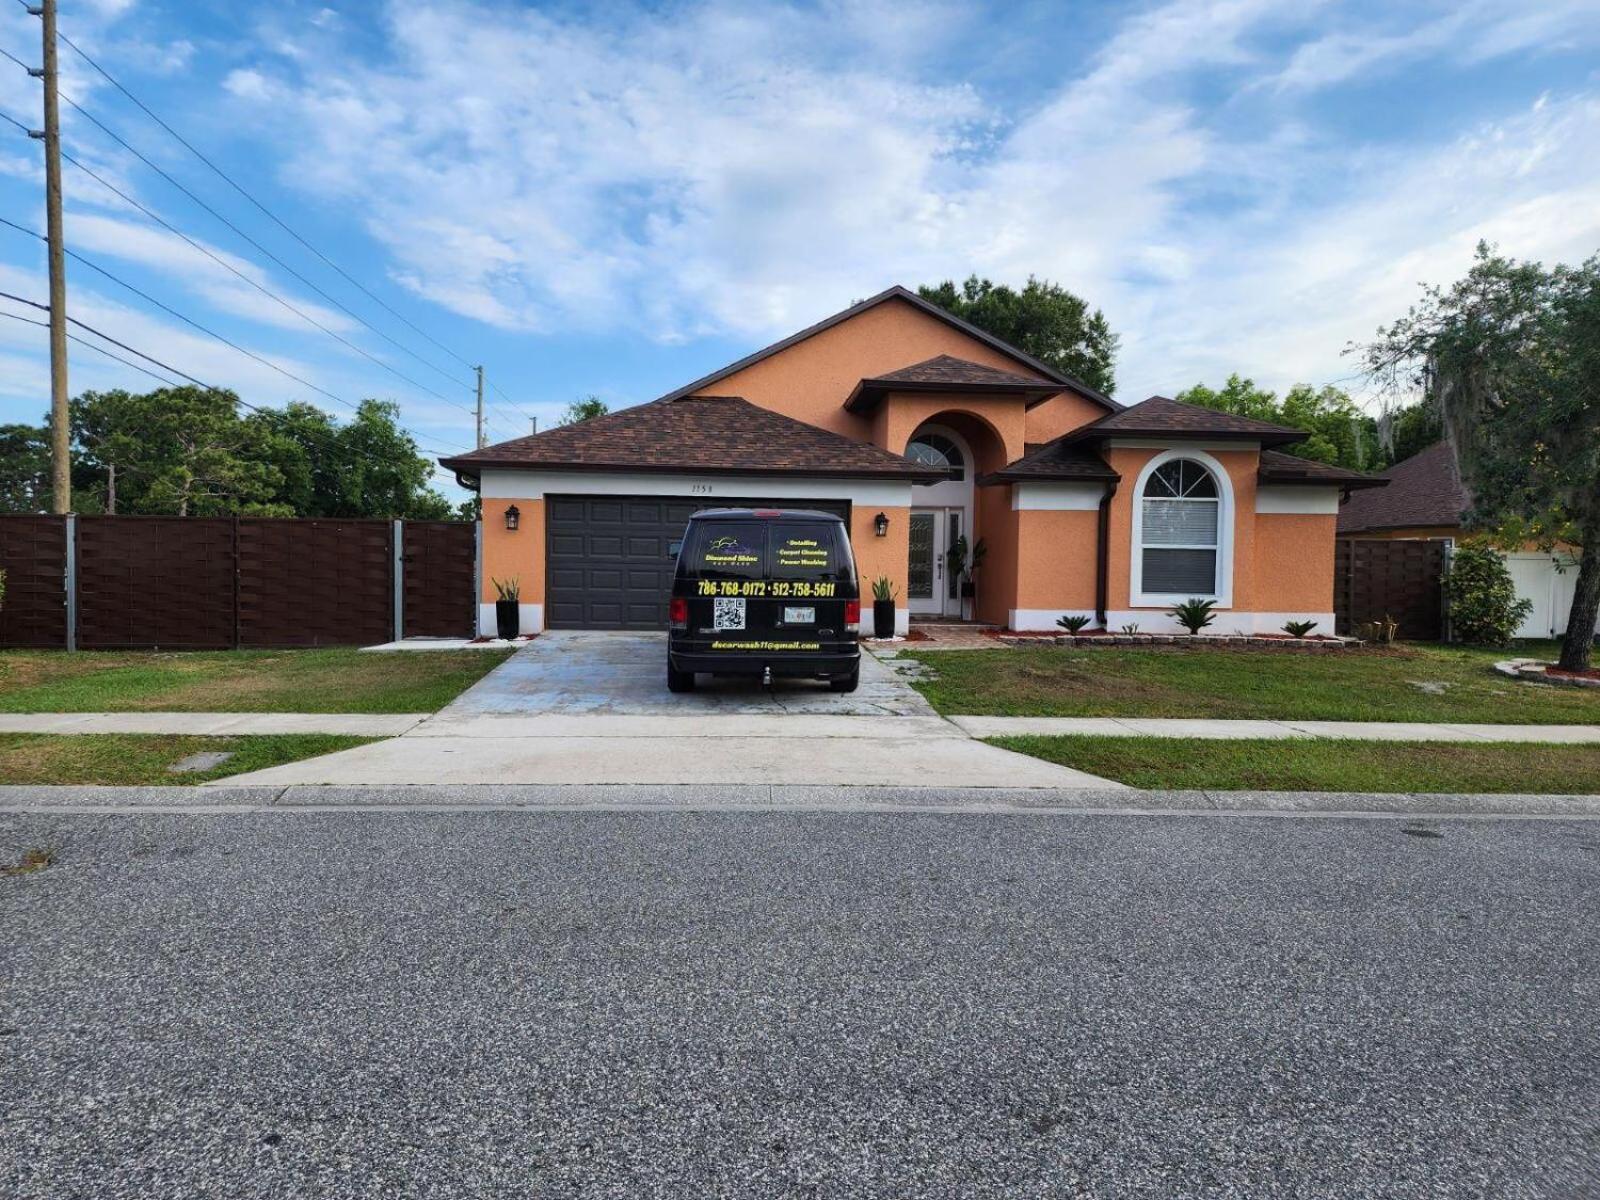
(929, 587)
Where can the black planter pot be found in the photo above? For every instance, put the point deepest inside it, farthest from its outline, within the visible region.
(507, 620)
(969, 589)
(883, 618)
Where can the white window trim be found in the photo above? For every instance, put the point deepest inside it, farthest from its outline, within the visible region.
(1223, 594)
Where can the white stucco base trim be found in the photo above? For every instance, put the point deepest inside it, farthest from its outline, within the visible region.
(1151, 620)
(530, 616)
(1032, 620)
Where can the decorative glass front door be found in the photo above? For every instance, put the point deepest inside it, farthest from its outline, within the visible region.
(929, 588)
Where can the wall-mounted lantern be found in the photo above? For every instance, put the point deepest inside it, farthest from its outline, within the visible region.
(513, 516)
(880, 524)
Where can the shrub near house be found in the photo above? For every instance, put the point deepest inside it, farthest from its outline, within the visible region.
(1484, 608)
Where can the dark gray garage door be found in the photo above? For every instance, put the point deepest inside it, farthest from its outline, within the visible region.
(606, 564)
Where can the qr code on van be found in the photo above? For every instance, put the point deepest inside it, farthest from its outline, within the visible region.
(727, 612)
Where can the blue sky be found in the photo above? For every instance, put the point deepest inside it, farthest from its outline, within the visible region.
(616, 198)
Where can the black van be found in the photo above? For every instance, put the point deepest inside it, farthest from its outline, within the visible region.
(767, 592)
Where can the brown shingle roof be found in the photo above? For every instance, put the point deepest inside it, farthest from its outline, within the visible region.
(1160, 417)
(1057, 460)
(704, 434)
(945, 373)
(1277, 467)
(1425, 490)
(909, 297)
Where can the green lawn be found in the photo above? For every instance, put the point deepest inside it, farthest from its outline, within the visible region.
(1322, 765)
(322, 681)
(138, 758)
(1413, 682)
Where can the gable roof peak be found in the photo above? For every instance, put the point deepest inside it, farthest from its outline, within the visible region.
(901, 293)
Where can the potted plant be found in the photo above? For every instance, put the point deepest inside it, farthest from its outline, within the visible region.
(507, 610)
(964, 562)
(883, 594)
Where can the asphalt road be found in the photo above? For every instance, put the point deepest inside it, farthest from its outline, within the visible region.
(316, 1004)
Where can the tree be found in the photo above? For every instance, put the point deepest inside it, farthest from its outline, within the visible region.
(1043, 319)
(583, 409)
(1338, 431)
(188, 452)
(181, 451)
(24, 468)
(1510, 355)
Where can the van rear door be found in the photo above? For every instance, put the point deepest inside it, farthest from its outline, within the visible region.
(768, 585)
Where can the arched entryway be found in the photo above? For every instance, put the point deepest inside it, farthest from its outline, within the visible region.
(944, 516)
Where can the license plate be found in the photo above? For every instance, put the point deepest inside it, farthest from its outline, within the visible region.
(727, 612)
(799, 616)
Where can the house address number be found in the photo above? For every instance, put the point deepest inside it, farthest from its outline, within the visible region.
(700, 489)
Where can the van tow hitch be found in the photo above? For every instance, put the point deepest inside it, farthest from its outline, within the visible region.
(766, 677)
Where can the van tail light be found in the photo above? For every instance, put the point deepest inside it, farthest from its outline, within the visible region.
(852, 616)
(678, 612)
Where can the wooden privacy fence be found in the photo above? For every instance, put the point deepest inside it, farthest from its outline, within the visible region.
(1399, 578)
(207, 583)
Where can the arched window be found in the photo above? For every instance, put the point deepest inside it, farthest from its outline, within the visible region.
(936, 450)
(1180, 531)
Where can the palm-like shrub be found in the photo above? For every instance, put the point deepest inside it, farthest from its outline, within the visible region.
(1072, 624)
(1194, 614)
(1298, 629)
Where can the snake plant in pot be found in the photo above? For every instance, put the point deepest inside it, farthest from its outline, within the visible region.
(507, 609)
(883, 594)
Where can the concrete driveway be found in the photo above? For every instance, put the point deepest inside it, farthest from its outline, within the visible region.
(571, 673)
(583, 708)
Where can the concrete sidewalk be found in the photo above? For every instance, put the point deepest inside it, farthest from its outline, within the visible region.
(213, 724)
(1372, 731)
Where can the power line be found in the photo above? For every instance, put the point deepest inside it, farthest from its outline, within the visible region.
(270, 413)
(265, 291)
(92, 346)
(223, 263)
(340, 305)
(190, 321)
(228, 179)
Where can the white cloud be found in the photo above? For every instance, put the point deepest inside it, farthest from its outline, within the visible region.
(723, 169)
(134, 241)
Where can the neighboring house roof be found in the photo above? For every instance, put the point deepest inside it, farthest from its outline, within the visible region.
(1058, 460)
(1160, 417)
(945, 373)
(703, 434)
(916, 301)
(1423, 491)
(1279, 468)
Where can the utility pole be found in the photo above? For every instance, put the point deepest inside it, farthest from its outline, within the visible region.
(482, 441)
(60, 440)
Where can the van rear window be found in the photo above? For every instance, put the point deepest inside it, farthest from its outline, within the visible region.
(810, 552)
(728, 550)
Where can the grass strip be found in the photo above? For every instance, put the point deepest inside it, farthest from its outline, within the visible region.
(1413, 682)
(140, 758)
(1323, 765)
(335, 680)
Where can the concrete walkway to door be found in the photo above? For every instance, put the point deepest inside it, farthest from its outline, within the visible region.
(586, 708)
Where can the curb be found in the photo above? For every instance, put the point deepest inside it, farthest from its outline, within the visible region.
(213, 800)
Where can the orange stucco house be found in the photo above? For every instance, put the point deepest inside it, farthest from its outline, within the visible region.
(921, 429)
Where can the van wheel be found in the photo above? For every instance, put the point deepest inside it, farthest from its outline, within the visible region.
(846, 683)
(679, 681)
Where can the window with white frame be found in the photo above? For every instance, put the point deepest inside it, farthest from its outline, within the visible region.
(1180, 531)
